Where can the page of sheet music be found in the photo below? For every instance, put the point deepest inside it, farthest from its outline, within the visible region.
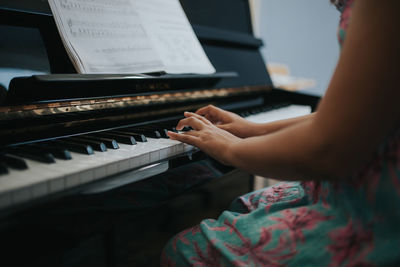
(105, 36)
(129, 36)
(173, 36)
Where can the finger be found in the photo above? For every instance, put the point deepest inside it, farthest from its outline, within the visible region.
(212, 113)
(193, 122)
(204, 110)
(224, 127)
(187, 137)
(191, 114)
(175, 134)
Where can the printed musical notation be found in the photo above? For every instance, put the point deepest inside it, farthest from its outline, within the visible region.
(116, 7)
(173, 36)
(113, 29)
(105, 36)
(129, 36)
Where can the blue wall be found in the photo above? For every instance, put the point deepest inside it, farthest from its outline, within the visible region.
(302, 35)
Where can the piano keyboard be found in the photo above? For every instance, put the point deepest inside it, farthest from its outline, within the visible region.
(35, 171)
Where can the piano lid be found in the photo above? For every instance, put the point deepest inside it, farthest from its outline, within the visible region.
(222, 26)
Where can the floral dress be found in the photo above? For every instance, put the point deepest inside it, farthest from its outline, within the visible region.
(353, 222)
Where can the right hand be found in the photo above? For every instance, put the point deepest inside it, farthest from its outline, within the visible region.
(228, 121)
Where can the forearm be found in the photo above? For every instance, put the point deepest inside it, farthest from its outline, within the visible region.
(288, 154)
(268, 128)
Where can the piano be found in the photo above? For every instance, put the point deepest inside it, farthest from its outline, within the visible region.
(63, 134)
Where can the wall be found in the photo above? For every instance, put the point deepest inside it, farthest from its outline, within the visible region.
(302, 35)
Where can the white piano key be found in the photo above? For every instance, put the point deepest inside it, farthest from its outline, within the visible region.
(111, 169)
(86, 177)
(144, 159)
(164, 152)
(187, 148)
(154, 156)
(57, 185)
(21, 195)
(35, 180)
(124, 165)
(99, 172)
(40, 189)
(72, 180)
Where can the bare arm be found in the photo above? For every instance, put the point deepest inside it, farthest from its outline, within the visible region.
(358, 111)
(268, 128)
(241, 127)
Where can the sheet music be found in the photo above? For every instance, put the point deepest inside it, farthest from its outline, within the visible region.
(128, 36)
(105, 36)
(173, 36)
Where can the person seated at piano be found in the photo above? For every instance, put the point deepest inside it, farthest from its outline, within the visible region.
(344, 209)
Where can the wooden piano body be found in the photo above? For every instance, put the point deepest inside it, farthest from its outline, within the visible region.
(69, 207)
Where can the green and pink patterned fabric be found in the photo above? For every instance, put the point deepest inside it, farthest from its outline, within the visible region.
(351, 222)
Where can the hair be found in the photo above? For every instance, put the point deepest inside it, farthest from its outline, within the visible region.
(338, 3)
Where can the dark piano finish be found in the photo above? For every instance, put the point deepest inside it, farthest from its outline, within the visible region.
(125, 226)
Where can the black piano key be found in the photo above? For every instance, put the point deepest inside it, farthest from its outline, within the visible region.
(122, 138)
(146, 132)
(109, 142)
(245, 114)
(96, 145)
(29, 152)
(167, 126)
(58, 151)
(73, 146)
(159, 128)
(187, 129)
(138, 137)
(155, 127)
(3, 169)
(162, 128)
(163, 133)
(13, 162)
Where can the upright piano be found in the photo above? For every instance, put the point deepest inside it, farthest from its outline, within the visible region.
(70, 136)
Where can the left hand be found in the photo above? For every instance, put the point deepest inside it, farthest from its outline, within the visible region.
(206, 136)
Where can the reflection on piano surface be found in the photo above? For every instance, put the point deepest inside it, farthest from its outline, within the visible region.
(68, 141)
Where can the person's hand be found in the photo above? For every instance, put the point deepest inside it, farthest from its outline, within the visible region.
(228, 121)
(206, 136)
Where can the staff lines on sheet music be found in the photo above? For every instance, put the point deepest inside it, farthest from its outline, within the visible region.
(171, 25)
(180, 49)
(155, 10)
(115, 29)
(133, 48)
(103, 2)
(87, 8)
(89, 32)
(101, 24)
